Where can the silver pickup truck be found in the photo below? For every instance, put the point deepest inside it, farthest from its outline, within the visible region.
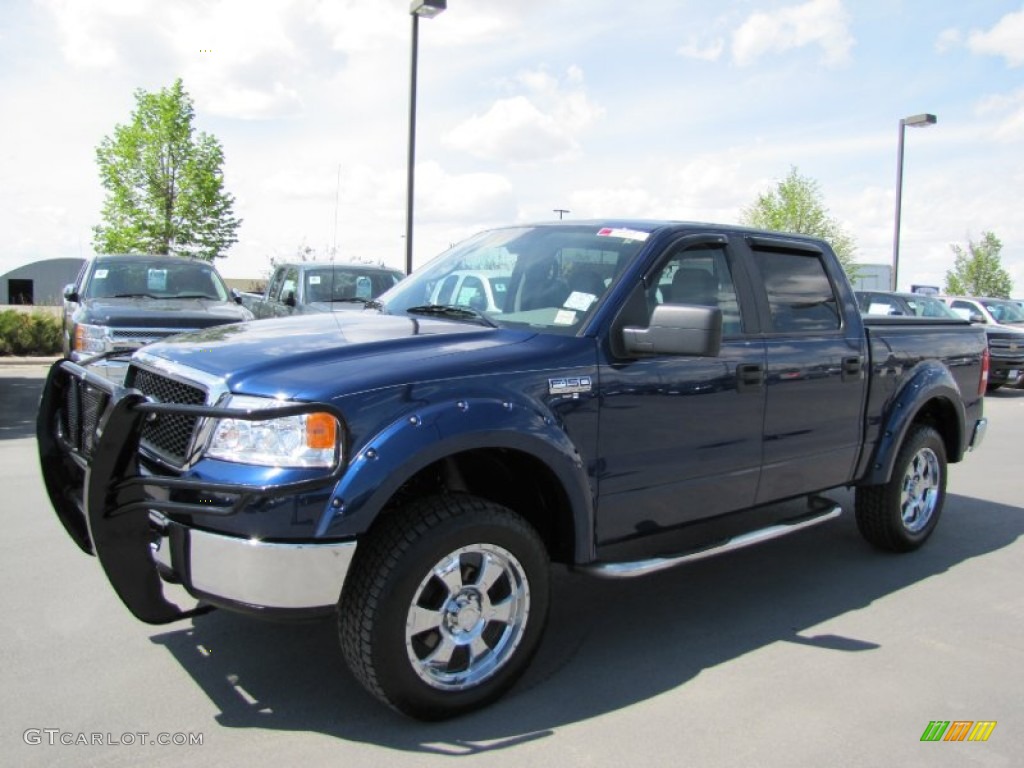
(304, 287)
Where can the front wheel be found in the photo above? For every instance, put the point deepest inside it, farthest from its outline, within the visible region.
(901, 514)
(445, 605)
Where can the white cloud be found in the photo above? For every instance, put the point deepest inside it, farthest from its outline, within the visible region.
(453, 197)
(948, 40)
(1005, 39)
(710, 51)
(708, 187)
(544, 125)
(235, 63)
(824, 23)
(1005, 114)
(89, 30)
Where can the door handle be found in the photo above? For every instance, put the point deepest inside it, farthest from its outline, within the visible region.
(852, 368)
(749, 377)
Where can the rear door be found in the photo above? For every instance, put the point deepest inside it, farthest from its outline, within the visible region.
(816, 383)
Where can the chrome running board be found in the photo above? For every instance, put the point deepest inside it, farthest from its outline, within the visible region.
(628, 570)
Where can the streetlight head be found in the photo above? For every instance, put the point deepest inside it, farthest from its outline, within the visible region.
(916, 121)
(427, 9)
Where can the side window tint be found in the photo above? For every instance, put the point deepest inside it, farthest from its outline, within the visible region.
(698, 275)
(275, 284)
(800, 295)
(290, 284)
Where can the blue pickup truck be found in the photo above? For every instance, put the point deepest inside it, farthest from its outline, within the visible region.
(647, 393)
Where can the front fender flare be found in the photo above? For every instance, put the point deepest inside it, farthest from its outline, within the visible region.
(383, 463)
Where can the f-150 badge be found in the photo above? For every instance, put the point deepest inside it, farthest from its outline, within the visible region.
(569, 386)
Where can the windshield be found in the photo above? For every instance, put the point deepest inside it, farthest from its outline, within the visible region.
(928, 306)
(546, 277)
(1004, 311)
(343, 283)
(169, 279)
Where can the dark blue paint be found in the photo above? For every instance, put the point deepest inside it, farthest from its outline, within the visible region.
(658, 444)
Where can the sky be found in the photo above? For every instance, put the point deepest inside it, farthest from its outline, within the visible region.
(651, 109)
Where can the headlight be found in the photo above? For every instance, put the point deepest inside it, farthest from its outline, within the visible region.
(308, 440)
(90, 339)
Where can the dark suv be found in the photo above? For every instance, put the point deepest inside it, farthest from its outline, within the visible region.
(120, 303)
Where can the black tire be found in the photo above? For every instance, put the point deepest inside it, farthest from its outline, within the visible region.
(901, 514)
(483, 622)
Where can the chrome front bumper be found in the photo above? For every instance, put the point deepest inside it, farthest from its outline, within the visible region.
(249, 572)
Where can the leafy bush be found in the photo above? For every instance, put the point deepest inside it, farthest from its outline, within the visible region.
(35, 333)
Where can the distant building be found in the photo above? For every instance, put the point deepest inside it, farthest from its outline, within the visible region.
(873, 277)
(40, 283)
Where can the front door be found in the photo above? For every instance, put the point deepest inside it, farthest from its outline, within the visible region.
(680, 437)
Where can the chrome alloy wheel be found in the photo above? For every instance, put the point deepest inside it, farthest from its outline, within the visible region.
(467, 617)
(919, 495)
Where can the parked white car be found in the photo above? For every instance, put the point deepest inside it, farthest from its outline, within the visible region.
(483, 290)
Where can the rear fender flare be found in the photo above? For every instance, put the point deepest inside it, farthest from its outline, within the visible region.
(929, 383)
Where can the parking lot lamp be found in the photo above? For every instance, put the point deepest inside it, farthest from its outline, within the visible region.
(428, 9)
(914, 121)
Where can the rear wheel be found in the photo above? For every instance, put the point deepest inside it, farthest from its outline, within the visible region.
(445, 605)
(901, 514)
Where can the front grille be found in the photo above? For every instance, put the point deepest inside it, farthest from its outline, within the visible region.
(170, 434)
(1006, 347)
(83, 405)
(132, 338)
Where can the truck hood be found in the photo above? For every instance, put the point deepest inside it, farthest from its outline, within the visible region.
(317, 356)
(142, 312)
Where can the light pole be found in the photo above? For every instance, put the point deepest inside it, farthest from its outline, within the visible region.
(914, 121)
(561, 212)
(427, 9)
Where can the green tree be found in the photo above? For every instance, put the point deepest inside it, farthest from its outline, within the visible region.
(795, 205)
(164, 183)
(978, 271)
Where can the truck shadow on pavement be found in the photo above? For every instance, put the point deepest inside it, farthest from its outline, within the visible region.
(609, 644)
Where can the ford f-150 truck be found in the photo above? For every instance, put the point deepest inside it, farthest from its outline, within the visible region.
(310, 286)
(648, 393)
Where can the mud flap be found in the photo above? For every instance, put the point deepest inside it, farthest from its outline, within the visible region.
(122, 541)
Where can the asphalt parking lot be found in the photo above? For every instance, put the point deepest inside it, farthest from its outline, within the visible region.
(810, 650)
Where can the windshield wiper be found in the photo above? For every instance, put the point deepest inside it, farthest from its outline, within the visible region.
(134, 296)
(192, 296)
(452, 311)
(352, 300)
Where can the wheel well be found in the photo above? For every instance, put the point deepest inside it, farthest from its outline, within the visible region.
(942, 417)
(511, 478)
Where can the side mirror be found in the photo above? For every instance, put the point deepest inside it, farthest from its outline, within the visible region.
(677, 329)
(976, 317)
(236, 296)
(289, 299)
(70, 294)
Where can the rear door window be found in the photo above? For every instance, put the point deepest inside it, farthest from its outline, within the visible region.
(800, 295)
